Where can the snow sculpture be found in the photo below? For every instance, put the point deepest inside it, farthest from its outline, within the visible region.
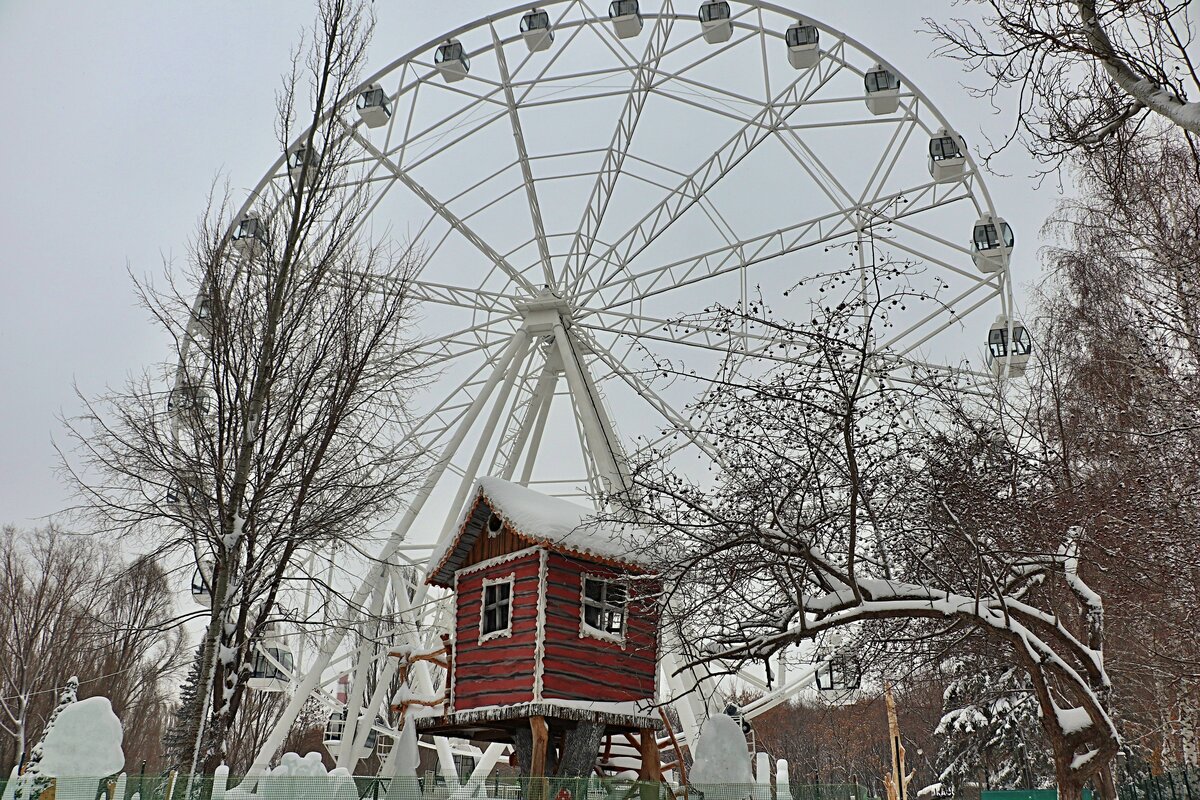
(83, 746)
(722, 763)
(299, 776)
(85, 741)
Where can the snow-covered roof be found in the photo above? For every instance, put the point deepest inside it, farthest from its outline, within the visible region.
(544, 520)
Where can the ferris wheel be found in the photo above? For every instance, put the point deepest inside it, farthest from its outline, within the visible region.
(579, 176)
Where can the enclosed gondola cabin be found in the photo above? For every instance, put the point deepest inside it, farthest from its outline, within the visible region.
(803, 44)
(883, 90)
(202, 583)
(536, 31)
(715, 21)
(302, 163)
(1008, 354)
(992, 243)
(335, 728)
(626, 18)
(556, 622)
(947, 156)
(373, 106)
(250, 237)
(452, 61)
(271, 668)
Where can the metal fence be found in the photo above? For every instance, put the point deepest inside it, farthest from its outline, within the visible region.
(1177, 784)
(428, 787)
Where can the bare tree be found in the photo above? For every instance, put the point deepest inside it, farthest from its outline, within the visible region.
(70, 611)
(1116, 412)
(1083, 69)
(281, 433)
(832, 506)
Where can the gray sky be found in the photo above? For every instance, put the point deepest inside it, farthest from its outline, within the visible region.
(121, 115)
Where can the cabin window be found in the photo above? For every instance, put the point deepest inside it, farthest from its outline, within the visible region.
(496, 619)
(603, 608)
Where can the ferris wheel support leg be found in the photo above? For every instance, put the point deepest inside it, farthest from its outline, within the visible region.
(483, 769)
(601, 443)
(539, 428)
(533, 424)
(470, 473)
(346, 750)
(283, 726)
(606, 426)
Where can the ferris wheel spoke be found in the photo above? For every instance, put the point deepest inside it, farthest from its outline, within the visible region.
(660, 218)
(651, 397)
(467, 233)
(619, 143)
(757, 250)
(463, 296)
(891, 153)
(465, 341)
(896, 339)
(535, 210)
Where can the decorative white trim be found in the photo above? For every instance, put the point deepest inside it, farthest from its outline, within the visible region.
(491, 562)
(450, 682)
(587, 631)
(539, 648)
(503, 633)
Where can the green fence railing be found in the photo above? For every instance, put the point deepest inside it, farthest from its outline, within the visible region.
(1177, 784)
(427, 787)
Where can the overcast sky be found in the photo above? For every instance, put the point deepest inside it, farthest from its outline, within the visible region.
(118, 118)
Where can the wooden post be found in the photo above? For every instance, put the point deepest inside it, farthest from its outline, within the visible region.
(651, 772)
(538, 787)
(896, 782)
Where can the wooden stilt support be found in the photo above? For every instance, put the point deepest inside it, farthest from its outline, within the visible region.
(538, 786)
(650, 775)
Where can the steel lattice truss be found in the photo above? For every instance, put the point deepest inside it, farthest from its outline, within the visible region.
(571, 202)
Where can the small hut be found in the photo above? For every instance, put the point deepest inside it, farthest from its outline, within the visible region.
(556, 637)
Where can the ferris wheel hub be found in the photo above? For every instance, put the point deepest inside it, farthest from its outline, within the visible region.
(544, 312)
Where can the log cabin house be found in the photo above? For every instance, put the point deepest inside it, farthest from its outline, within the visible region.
(555, 642)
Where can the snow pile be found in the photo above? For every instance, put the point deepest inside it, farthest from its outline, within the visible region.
(298, 776)
(1073, 720)
(405, 760)
(558, 523)
(722, 757)
(85, 741)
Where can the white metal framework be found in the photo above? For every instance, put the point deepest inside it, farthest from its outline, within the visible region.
(576, 187)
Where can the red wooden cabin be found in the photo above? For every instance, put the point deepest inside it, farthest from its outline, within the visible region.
(557, 625)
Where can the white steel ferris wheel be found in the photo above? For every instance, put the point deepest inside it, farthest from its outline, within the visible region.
(579, 176)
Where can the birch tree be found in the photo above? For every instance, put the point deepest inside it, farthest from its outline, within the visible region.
(277, 431)
(1082, 70)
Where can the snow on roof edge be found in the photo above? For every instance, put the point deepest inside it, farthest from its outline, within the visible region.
(548, 520)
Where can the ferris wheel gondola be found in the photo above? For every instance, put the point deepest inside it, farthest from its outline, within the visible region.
(452, 61)
(536, 30)
(992, 243)
(715, 21)
(374, 107)
(626, 16)
(947, 156)
(803, 44)
(883, 90)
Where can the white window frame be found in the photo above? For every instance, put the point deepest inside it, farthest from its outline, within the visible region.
(585, 629)
(499, 633)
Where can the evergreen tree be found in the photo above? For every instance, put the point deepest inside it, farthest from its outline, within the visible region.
(990, 731)
(180, 736)
(32, 782)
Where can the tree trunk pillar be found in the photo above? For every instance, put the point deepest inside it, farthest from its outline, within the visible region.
(650, 774)
(538, 787)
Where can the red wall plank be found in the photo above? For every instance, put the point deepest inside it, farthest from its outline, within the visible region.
(499, 671)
